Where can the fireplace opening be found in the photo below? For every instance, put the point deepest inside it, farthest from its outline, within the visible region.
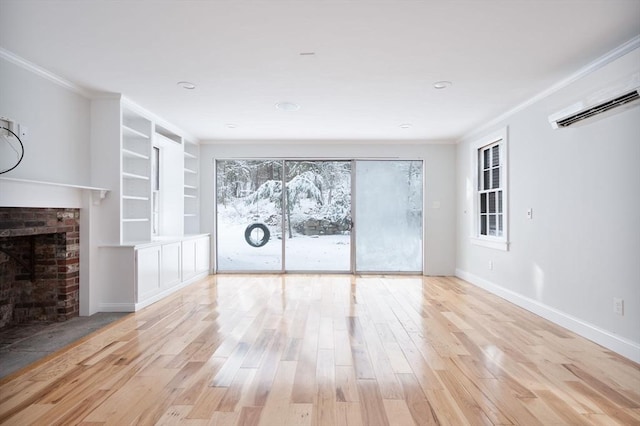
(39, 265)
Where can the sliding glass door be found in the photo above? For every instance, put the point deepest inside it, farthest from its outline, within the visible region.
(318, 216)
(388, 216)
(285, 215)
(249, 215)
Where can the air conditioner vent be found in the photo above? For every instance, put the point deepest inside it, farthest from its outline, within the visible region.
(599, 109)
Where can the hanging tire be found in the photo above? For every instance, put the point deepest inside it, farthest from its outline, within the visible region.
(257, 242)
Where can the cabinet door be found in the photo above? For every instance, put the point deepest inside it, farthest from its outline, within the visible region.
(202, 255)
(148, 262)
(171, 263)
(188, 259)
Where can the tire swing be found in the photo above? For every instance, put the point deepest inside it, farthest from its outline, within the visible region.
(253, 238)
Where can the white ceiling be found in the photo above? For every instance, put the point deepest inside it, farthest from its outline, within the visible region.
(374, 66)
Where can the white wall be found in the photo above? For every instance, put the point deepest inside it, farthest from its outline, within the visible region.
(57, 148)
(439, 175)
(582, 247)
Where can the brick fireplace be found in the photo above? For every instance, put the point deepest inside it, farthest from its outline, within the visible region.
(39, 264)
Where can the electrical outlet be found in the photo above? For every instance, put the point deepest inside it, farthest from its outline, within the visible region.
(530, 213)
(491, 265)
(618, 306)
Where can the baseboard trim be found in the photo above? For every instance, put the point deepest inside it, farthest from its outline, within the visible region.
(116, 307)
(618, 344)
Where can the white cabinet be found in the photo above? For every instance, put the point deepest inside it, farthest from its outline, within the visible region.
(195, 257)
(188, 259)
(202, 255)
(143, 274)
(171, 265)
(148, 268)
(151, 212)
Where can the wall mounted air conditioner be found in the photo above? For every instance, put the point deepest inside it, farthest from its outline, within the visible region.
(601, 104)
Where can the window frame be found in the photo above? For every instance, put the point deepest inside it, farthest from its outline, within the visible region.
(477, 148)
(156, 185)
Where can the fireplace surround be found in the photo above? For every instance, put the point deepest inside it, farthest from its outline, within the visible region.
(39, 264)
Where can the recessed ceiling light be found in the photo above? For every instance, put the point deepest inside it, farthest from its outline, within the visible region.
(307, 53)
(442, 84)
(186, 85)
(405, 125)
(231, 126)
(287, 106)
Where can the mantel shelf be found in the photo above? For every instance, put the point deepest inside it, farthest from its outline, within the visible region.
(97, 193)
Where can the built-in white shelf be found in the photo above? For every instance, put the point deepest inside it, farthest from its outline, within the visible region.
(134, 176)
(135, 193)
(190, 192)
(138, 219)
(133, 133)
(132, 154)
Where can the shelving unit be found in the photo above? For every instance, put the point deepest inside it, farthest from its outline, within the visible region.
(136, 267)
(191, 180)
(135, 155)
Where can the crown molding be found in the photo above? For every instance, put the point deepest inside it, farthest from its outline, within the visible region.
(302, 142)
(603, 60)
(189, 137)
(38, 70)
(35, 69)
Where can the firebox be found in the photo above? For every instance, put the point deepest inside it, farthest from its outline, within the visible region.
(39, 265)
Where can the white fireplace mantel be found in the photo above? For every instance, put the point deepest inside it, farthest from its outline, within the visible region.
(32, 193)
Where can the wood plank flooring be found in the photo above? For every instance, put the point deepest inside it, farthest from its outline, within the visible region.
(328, 350)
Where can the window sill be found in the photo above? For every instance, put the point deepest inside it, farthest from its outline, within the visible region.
(493, 244)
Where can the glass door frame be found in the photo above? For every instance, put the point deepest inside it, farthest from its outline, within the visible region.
(353, 230)
(350, 270)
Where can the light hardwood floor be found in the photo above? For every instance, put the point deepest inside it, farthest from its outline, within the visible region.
(328, 350)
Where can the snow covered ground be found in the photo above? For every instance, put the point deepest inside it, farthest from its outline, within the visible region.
(304, 253)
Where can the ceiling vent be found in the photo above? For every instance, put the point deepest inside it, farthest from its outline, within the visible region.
(581, 111)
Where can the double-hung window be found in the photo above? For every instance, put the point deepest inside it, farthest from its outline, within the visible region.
(490, 212)
(490, 191)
